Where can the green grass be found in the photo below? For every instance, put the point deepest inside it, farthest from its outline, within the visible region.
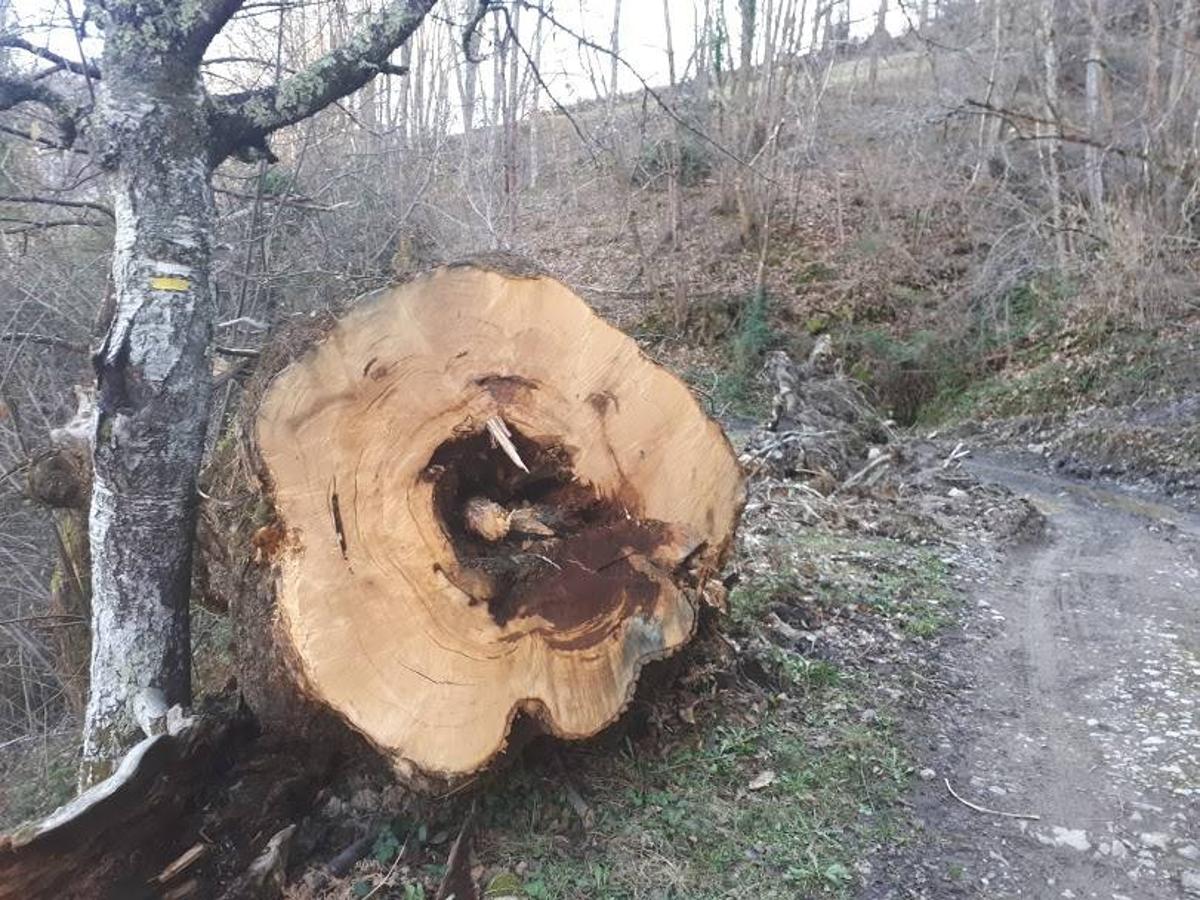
(686, 824)
(673, 814)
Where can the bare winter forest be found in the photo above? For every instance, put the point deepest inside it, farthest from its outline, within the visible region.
(965, 223)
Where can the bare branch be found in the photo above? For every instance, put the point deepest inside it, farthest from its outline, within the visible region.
(86, 69)
(242, 122)
(52, 201)
(25, 226)
(39, 139)
(45, 340)
(655, 95)
(485, 7)
(1013, 118)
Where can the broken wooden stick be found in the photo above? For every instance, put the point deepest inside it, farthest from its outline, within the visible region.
(991, 812)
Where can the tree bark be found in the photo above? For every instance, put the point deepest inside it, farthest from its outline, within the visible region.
(153, 388)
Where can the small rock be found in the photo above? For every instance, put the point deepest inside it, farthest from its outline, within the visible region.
(1155, 840)
(1119, 850)
(1189, 851)
(927, 774)
(1190, 879)
(1075, 838)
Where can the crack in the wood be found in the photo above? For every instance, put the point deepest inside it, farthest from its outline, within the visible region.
(337, 519)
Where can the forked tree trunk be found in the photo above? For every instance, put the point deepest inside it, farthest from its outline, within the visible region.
(489, 503)
(152, 404)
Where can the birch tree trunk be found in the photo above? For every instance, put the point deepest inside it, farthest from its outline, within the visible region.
(153, 378)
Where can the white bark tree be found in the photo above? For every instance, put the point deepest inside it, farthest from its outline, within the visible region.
(160, 135)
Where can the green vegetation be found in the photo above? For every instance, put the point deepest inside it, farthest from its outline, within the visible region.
(736, 388)
(688, 158)
(769, 788)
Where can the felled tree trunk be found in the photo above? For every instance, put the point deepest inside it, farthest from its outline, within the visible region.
(488, 503)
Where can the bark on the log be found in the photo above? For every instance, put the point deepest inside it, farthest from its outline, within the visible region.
(430, 584)
(203, 810)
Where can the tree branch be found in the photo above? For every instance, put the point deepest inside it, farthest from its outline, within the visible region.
(46, 340)
(1014, 118)
(27, 226)
(15, 91)
(86, 69)
(51, 201)
(654, 95)
(39, 139)
(214, 15)
(242, 122)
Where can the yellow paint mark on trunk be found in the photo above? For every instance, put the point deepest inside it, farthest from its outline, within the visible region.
(169, 283)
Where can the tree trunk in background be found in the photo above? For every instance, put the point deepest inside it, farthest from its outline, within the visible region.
(536, 88)
(61, 480)
(615, 45)
(1054, 163)
(511, 109)
(1183, 47)
(468, 76)
(670, 43)
(153, 377)
(403, 113)
(878, 38)
(1154, 60)
(1094, 155)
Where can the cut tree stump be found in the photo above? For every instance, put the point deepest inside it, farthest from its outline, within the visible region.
(489, 503)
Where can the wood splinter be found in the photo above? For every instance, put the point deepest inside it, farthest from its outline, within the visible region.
(502, 436)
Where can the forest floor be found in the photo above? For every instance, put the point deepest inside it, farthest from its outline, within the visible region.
(1077, 671)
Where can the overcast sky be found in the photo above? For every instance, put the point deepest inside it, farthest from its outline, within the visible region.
(565, 66)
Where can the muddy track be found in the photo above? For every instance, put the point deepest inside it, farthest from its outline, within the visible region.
(1076, 698)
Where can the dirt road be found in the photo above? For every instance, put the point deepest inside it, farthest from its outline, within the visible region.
(1078, 701)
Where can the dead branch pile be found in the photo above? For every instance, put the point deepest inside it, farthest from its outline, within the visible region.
(823, 430)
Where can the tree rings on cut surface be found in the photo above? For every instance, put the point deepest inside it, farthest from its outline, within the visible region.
(493, 503)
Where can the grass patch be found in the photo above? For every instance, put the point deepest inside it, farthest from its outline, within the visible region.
(737, 389)
(687, 823)
(773, 787)
(828, 573)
